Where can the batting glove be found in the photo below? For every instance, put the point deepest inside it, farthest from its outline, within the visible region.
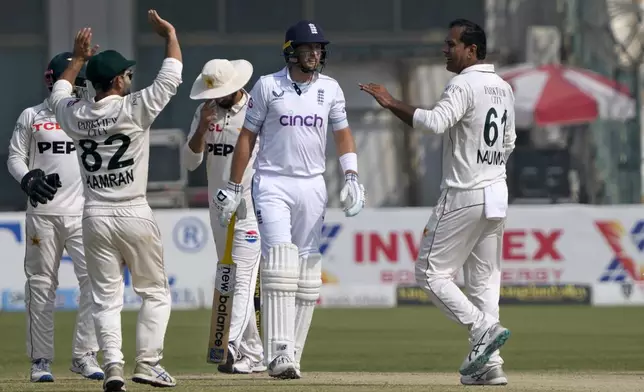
(229, 200)
(352, 196)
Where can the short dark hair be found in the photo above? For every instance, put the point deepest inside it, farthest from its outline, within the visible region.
(472, 34)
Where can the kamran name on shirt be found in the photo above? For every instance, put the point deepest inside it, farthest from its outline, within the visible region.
(110, 180)
(496, 94)
(97, 127)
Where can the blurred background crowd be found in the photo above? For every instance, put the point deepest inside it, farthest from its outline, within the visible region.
(574, 66)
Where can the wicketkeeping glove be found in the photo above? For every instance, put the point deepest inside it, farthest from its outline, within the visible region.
(229, 200)
(352, 196)
(40, 187)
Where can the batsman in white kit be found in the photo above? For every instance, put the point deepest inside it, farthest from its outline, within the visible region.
(475, 115)
(111, 132)
(214, 131)
(42, 158)
(290, 111)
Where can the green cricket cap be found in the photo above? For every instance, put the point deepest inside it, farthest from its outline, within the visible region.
(105, 66)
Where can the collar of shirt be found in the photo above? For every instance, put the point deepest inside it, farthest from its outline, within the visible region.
(105, 100)
(48, 104)
(479, 68)
(241, 103)
(303, 86)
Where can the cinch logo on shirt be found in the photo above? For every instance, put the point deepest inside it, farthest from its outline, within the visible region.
(46, 126)
(299, 121)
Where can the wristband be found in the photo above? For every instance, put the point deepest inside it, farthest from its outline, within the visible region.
(232, 186)
(349, 161)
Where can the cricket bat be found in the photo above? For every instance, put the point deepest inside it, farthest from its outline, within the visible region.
(222, 301)
(257, 300)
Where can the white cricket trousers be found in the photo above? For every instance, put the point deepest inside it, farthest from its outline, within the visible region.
(47, 237)
(118, 237)
(244, 335)
(290, 212)
(459, 235)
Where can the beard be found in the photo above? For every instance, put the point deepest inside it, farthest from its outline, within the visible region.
(227, 104)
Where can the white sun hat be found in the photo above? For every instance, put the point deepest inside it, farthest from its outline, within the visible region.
(220, 77)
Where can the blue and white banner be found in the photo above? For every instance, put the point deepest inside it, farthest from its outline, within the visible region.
(601, 247)
(189, 253)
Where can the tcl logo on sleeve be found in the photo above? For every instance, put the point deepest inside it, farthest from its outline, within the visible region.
(56, 147)
(47, 126)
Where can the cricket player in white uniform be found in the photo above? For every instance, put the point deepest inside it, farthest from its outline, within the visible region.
(42, 158)
(475, 115)
(214, 131)
(111, 133)
(290, 111)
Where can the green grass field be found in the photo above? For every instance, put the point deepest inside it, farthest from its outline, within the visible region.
(552, 348)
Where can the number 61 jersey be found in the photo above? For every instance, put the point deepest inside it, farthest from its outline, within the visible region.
(475, 114)
(112, 137)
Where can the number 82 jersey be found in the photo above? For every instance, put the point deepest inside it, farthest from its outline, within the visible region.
(112, 137)
(475, 114)
(113, 157)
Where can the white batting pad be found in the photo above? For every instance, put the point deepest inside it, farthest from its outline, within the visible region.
(279, 284)
(308, 292)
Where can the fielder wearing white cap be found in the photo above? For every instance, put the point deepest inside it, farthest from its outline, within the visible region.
(220, 78)
(215, 128)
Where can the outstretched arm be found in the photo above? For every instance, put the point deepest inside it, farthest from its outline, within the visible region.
(449, 110)
(145, 105)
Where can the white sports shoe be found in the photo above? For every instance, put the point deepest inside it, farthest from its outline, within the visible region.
(493, 375)
(154, 375)
(259, 367)
(490, 340)
(243, 366)
(114, 381)
(297, 370)
(283, 367)
(41, 371)
(88, 367)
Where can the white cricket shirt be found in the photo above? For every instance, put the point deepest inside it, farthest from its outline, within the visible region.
(292, 128)
(221, 140)
(475, 114)
(38, 142)
(112, 136)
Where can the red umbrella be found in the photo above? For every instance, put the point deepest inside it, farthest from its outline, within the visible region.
(560, 95)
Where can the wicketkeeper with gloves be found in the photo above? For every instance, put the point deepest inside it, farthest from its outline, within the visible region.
(42, 158)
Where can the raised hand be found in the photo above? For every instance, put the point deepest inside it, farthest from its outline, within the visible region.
(83, 48)
(160, 26)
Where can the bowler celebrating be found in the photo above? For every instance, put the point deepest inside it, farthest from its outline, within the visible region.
(475, 115)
